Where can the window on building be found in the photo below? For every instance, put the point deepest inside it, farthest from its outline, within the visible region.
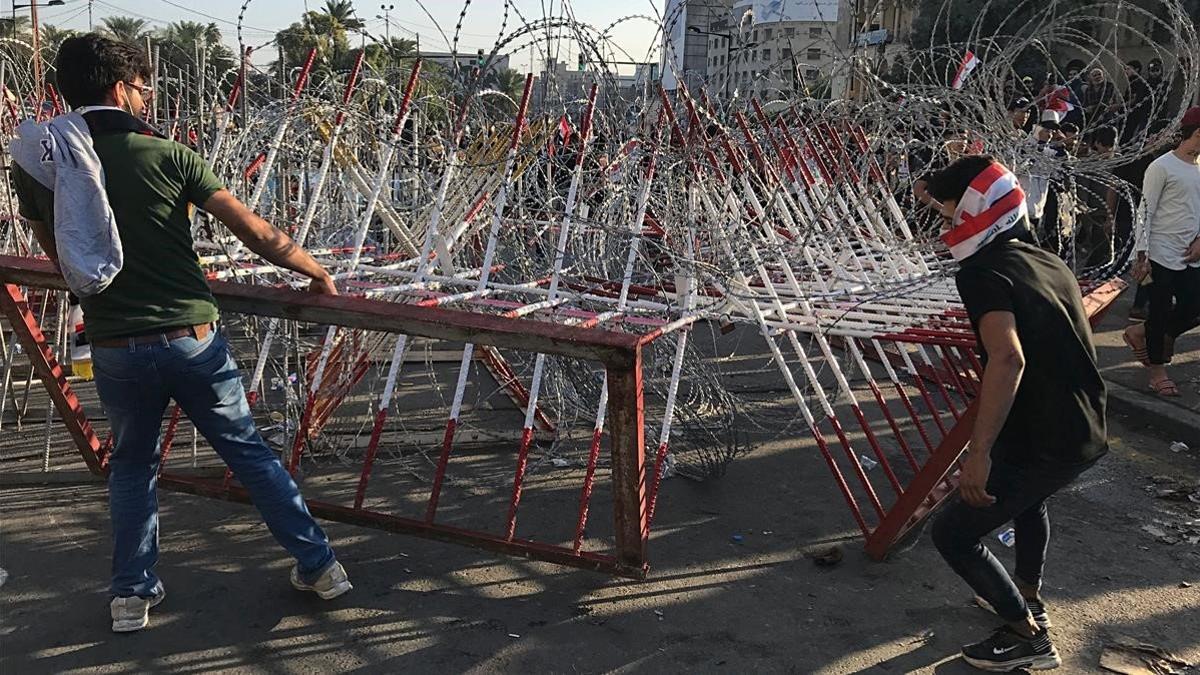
(814, 54)
(790, 32)
(767, 32)
(785, 53)
(766, 54)
(816, 32)
(754, 55)
(756, 36)
(811, 74)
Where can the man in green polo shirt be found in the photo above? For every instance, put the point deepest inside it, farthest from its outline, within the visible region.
(153, 331)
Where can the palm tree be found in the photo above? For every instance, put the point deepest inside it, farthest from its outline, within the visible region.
(125, 28)
(52, 37)
(397, 49)
(383, 57)
(191, 32)
(508, 81)
(179, 40)
(314, 30)
(342, 11)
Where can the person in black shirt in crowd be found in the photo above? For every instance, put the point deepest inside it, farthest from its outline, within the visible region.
(1040, 413)
(1155, 81)
(1096, 218)
(1018, 114)
(1138, 102)
(1099, 98)
(1070, 138)
(1076, 85)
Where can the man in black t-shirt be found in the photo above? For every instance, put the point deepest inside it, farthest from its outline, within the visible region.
(1040, 412)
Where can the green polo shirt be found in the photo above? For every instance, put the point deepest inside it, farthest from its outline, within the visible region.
(150, 181)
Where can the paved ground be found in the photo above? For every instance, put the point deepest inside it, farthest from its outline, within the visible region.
(1119, 563)
(711, 605)
(1129, 387)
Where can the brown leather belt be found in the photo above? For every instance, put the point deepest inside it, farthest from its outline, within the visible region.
(199, 331)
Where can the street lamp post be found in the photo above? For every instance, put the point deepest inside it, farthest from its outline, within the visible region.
(32, 10)
(387, 22)
(37, 52)
(387, 31)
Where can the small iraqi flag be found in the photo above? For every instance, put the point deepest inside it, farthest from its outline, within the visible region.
(564, 130)
(968, 64)
(564, 127)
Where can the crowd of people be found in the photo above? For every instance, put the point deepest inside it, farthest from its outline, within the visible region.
(1041, 408)
(1108, 183)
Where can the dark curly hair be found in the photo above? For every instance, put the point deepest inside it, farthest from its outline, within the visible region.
(952, 182)
(87, 66)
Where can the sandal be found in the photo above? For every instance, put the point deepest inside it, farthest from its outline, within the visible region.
(1165, 387)
(1139, 353)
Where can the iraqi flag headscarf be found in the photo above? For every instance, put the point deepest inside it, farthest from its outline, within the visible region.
(993, 204)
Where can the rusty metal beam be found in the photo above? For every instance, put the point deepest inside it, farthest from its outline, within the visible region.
(608, 347)
(921, 496)
(620, 353)
(626, 427)
(29, 334)
(389, 523)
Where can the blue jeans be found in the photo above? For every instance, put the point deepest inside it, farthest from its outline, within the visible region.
(1021, 494)
(135, 383)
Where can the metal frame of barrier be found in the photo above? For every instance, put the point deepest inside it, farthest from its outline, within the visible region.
(619, 353)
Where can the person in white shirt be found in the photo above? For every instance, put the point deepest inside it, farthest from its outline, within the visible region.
(1168, 254)
(1043, 149)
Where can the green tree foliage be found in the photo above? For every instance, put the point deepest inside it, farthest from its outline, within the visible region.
(314, 30)
(125, 28)
(51, 38)
(179, 42)
(342, 11)
(384, 58)
(508, 81)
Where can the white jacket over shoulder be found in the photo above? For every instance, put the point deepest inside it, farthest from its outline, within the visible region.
(59, 155)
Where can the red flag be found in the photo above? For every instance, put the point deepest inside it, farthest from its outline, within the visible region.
(564, 128)
(968, 64)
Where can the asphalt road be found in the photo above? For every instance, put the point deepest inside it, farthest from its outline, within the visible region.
(711, 605)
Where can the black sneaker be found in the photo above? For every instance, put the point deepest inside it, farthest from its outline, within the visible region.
(1036, 608)
(1005, 650)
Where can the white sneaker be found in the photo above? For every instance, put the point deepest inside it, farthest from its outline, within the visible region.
(332, 582)
(133, 613)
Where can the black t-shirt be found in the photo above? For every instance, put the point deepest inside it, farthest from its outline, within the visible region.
(1057, 418)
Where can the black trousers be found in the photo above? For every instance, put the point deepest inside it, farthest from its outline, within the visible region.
(1174, 307)
(1021, 494)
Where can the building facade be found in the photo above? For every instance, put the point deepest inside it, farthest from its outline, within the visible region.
(685, 44)
(779, 49)
(464, 59)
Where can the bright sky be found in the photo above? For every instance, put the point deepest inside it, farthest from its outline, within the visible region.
(480, 27)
